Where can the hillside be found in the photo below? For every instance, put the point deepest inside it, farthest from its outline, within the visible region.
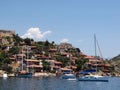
(116, 63)
(48, 56)
(115, 60)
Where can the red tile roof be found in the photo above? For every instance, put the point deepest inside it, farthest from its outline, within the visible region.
(65, 69)
(36, 66)
(32, 60)
(56, 62)
(89, 57)
(53, 49)
(82, 54)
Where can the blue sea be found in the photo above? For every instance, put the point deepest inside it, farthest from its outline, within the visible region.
(54, 83)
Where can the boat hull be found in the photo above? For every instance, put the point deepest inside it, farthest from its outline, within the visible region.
(100, 80)
(69, 77)
(24, 75)
(91, 78)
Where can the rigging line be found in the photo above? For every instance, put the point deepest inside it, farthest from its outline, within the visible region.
(99, 49)
(97, 46)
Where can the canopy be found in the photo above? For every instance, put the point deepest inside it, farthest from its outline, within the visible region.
(87, 71)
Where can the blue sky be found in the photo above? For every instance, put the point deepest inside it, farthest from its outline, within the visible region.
(73, 21)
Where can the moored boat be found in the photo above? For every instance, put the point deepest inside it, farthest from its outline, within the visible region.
(5, 75)
(92, 75)
(93, 78)
(69, 76)
(23, 74)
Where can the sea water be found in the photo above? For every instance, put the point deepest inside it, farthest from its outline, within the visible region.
(54, 83)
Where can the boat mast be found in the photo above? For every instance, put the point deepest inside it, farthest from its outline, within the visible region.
(95, 50)
(95, 45)
(27, 59)
(70, 62)
(22, 58)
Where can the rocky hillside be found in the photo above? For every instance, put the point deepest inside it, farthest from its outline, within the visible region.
(115, 60)
(116, 63)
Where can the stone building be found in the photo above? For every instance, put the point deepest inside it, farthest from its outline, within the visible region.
(5, 36)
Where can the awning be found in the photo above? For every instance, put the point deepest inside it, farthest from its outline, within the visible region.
(87, 71)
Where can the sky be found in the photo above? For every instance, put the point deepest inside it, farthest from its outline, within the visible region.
(71, 21)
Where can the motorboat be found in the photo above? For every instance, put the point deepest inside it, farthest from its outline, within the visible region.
(69, 76)
(93, 78)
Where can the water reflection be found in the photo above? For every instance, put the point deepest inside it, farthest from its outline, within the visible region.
(43, 83)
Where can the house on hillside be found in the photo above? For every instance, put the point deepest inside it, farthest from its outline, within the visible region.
(63, 47)
(55, 65)
(34, 65)
(94, 63)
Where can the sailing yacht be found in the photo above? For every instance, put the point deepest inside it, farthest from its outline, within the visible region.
(87, 76)
(93, 77)
(23, 73)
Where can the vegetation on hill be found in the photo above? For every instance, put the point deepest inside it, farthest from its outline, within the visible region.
(115, 61)
(43, 48)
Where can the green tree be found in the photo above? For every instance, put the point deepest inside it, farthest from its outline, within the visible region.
(27, 41)
(17, 39)
(46, 65)
(80, 63)
(4, 59)
(7, 68)
(14, 50)
(8, 38)
(62, 59)
(47, 44)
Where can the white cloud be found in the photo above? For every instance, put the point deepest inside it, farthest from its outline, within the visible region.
(64, 40)
(35, 33)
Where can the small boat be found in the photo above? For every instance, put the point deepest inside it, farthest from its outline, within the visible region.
(23, 74)
(69, 76)
(93, 78)
(5, 75)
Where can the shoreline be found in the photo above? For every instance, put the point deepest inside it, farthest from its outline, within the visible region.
(44, 74)
(35, 75)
